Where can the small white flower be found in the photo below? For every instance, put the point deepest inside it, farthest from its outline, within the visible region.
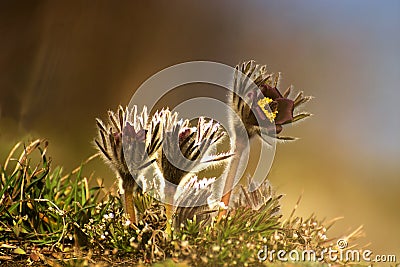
(103, 237)
(218, 205)
(216, 248)
(127, 222)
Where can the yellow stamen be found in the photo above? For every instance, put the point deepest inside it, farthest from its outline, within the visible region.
(262, 103)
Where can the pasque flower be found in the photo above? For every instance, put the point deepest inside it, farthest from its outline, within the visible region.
(261, 108)
(190, 201)
(128, 143)
(184, 150)
(271, 109)
(265, 109)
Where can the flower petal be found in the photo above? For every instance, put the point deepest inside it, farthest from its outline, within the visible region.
(129, 131)
(278, 129)
(285, 111)
(271, 92)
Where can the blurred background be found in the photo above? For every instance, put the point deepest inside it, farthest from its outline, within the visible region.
(64, 63)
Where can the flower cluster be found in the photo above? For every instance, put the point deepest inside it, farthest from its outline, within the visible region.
(163, 155)
(156, 153)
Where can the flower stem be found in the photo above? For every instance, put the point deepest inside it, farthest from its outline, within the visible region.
(169, 209)
(232, 173)
(129, 207)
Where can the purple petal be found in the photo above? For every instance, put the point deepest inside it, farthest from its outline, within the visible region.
(270, 92)
(141, 135)
(129, 130)
(184, 134)
(285, 111)
(278, 129)
(117, 137)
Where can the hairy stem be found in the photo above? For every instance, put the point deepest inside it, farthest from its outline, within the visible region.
(232, 173)
(169, 208)
(129, 207)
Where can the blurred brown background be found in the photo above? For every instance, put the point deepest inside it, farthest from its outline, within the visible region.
(64, 63)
